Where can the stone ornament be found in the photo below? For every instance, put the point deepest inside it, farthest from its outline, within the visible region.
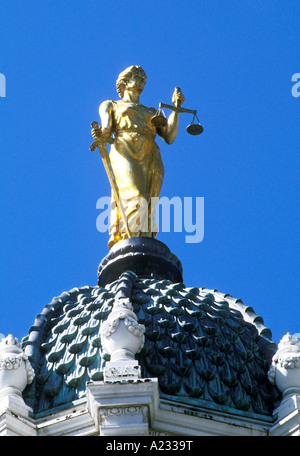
(16, 371)
(122, 336)
(285, 368)
(122, 372)
(130, 410)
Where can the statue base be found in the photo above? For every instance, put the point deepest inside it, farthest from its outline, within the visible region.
(146, 257)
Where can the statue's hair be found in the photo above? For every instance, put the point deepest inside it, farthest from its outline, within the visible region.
(125, 75)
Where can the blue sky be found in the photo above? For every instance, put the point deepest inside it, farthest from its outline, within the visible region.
(234, 62)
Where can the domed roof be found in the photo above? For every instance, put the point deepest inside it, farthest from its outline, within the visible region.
(205, 347)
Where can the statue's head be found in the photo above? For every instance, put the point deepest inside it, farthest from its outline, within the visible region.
(126, 75)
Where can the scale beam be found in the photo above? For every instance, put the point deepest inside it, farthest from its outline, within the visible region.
(159, 120)
(189, 111)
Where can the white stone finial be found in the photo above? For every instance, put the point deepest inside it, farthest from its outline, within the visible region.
(122, 337)
(15, 369)
(9, 340)
(285, 369)
(285, 374)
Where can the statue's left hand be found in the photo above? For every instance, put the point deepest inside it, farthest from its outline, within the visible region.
(178, 97)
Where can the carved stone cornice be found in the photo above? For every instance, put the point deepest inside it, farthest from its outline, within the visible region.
(123, 408)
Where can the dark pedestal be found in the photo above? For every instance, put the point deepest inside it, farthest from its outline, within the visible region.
(146, 257)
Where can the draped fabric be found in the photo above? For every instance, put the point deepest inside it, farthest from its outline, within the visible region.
(138, 169)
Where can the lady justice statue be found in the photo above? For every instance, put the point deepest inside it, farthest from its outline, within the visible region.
(134, 166)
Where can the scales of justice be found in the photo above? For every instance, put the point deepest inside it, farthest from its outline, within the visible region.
(134, 165)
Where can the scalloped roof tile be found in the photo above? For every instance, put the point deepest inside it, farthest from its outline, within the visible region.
(205, 347)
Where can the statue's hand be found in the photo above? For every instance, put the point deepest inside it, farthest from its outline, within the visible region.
(178, 97)
(96, 133)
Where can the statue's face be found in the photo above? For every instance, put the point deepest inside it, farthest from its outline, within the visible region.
(136, 82)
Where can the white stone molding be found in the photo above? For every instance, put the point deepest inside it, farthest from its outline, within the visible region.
(132, 408)
(130, 420)
(122, 371)
(71, 421)
(123, 408)
(13, 424)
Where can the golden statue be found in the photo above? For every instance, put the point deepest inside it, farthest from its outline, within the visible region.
(134, 165)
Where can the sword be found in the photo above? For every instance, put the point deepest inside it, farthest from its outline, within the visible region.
(101, 144)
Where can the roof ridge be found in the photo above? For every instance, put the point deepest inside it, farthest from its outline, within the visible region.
(247, 311)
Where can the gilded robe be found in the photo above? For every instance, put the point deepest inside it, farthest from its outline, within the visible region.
(138, 169)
